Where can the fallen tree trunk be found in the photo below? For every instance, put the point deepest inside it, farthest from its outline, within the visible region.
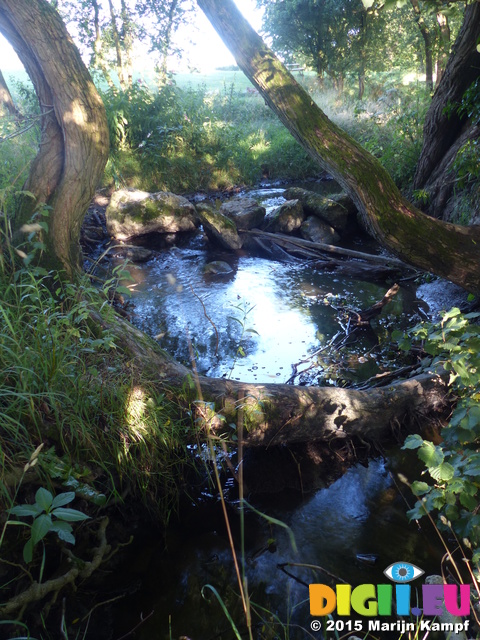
(279, 414)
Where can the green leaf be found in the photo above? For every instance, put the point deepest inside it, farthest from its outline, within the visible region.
(70, 515)
(40, 527)
(44, 498)
(451, 512)
(124, 291)
(63, 499)
(26, 510)
(451, 314)
(430, 454)
(419, 488)
(64, 531)
(413, 442)
(28, 551)
(444, 472)
(469, 502)
(464, 436)
(417, 512)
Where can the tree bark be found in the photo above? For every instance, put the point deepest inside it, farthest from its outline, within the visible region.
(442, 126)
(450, 251)
(7, 105)
(74, 144)
(442, 59)
(277, 414)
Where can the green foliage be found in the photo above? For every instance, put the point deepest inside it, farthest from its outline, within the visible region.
(62, 379)
(17, 151)
(189, 139)
(49, 515)
(391, 129)
(194, 139)
(453, 345)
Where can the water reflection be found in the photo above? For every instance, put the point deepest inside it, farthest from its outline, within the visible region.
(361, 513)
(277, 313)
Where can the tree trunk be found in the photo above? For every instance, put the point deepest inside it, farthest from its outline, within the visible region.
(428, 41)
(167, 41)
(450, 251)
(118, 47)
(97, 59)
(442, 126)
(363, 52)
(74, 145)
(7, 105)
(277, 414)
(361, 84)
(127, 42)
(443, 53)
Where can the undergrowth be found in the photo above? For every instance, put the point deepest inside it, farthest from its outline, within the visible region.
(193, 139)
(65, 384)
(79, 420)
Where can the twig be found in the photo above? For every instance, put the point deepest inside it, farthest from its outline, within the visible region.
(25, 129)
(100, 604)
(138, 625)
(208, 318)
(38, 591)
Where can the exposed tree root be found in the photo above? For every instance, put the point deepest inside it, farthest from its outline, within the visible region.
(81, 569)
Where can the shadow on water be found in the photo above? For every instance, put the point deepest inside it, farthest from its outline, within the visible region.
(361, 514)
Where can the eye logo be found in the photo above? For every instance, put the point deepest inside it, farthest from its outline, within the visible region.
(403, 572)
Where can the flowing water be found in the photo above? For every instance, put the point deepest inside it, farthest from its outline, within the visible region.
(252, 324)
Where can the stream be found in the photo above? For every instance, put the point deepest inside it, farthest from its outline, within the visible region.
(252, 324)
(255, 322)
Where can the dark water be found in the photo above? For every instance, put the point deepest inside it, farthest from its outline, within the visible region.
(263, 317)
(361, 513)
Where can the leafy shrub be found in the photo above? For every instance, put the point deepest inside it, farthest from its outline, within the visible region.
(454, 465)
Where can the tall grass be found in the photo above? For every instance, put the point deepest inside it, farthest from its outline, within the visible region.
(195, 138)
(63, 383)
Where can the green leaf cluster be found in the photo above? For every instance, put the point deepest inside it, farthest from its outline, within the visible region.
(49, 514)
(453, 491)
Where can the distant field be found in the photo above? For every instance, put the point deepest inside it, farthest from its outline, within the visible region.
(213, 81)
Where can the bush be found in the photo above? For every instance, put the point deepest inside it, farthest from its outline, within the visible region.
(454, 465)
(192, 139)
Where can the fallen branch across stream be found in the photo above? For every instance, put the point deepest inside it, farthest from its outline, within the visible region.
(283, 240)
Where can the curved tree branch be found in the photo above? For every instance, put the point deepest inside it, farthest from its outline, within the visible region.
(74, 146)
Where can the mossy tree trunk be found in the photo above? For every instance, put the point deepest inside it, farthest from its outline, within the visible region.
(74, 141)
(447, 250)
(281, 414)
(445, 131)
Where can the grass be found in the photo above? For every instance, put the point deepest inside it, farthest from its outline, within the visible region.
(64, 383)
(94, 423)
